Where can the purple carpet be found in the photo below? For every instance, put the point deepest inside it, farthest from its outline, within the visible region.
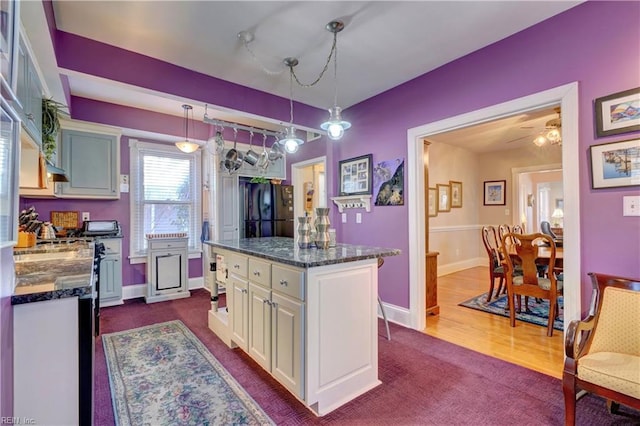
(425, 381)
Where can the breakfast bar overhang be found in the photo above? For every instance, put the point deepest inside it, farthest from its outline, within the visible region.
(307, 316)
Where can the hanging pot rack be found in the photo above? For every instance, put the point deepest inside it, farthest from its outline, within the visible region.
(237, 126)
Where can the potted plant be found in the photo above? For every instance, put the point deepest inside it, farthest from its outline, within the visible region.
(50, 126)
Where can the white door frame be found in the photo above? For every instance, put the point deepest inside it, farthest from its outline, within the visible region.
(297, 182)
(567, 97)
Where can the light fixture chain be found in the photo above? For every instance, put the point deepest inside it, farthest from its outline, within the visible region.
(291, 75)
(335, 69)
(326, 65)
(264, 69)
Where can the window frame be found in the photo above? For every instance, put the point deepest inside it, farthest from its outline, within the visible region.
(137, 151)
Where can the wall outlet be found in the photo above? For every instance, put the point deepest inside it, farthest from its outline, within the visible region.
(358, 217)
(631, 205)
(86, 216)
(506, 212)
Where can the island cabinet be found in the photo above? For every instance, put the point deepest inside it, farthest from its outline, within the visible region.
(309, 317)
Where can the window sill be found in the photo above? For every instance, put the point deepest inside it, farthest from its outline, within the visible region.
(143, 258)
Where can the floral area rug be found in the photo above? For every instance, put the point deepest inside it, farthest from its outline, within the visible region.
(538, 313)
(163, 375)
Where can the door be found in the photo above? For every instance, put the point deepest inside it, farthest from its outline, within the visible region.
(168, 271)
(239, 311)
(228, 206)
(287, 342)
(260, 325)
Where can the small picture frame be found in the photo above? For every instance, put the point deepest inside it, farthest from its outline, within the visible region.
(494, 192)
(355, 175)
(615, 164)
(456, 194)
(433, 202)
(444, 197)
(618, 113)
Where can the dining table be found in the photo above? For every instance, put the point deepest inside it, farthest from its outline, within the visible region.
(544, 255)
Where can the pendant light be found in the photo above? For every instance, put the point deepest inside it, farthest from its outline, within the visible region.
(186, 145)
(290, 140)
(335, 125)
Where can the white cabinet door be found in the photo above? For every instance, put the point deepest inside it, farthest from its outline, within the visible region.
(168, 271)
(260, 325)
(238, 310)
(287, 328)
(110, 278)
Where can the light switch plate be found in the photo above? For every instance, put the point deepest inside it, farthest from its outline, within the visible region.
(358, 217)
(631, 205)
(344, 218)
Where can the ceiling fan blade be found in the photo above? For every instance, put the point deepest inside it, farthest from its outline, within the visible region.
(519, 139)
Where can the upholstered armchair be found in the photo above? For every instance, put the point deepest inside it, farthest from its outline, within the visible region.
(603, 351)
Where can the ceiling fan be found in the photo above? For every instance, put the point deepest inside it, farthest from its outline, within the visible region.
(552, 132)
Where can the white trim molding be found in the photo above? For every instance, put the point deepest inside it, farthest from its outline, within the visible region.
(567, 97)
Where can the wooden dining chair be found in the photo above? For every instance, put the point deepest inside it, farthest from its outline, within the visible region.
(496, 269)
(502, 231)
(525, 251)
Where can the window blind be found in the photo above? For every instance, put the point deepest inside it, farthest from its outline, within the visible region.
(165, 193)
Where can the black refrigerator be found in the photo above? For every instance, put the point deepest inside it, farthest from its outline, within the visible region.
(266, 210)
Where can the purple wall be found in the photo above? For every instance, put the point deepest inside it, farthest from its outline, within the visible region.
(595, 44)
(588, 44)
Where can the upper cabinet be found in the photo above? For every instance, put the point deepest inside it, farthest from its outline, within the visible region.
(8, 34)
(90, 155)
(28, 92)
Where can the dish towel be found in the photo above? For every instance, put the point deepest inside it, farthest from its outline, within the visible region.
(204, 236)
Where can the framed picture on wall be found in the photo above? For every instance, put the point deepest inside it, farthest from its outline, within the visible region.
(356, 176)
(618, 113)
(494, 192)
(444, 197)
(615, 164)
(456, 194)
(433, 202)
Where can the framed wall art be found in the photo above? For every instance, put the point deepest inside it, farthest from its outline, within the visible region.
(618, 113)
(615, 164)
(494, 192)
(388, 182)
(355, 175)
(433, 202)
(456, 194)
(444, 197)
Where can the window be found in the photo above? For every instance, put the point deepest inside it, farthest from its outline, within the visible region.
(165, 194)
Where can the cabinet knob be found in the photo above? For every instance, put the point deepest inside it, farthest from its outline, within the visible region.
(274, 305)
(30, 116)
(284, 282)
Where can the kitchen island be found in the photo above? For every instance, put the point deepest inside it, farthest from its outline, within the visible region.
(307, 316)
(53, 333)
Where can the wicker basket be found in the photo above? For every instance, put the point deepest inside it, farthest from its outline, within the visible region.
(66, 220)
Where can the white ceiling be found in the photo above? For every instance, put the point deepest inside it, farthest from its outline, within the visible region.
(384, 43)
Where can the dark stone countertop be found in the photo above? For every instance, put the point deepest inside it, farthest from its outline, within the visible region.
(286, 250)
(53, 271)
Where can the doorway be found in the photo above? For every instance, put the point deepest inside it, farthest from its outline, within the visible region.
(309, 186)
(567, 97)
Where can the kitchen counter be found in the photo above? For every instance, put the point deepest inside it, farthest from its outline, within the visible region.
(286, 250)
(53, 271)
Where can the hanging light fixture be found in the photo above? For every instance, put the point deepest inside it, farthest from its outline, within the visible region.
(552, 132)
(186, 145)
(335, 125)
(291, 141)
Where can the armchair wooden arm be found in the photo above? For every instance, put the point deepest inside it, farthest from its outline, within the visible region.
(603, 351)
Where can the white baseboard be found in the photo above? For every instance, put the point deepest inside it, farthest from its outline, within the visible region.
(396, 314)
(450, 268)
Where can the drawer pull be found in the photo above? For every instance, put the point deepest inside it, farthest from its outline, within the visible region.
(284, 283)
(244, 290)
(236, 266)
(256, 273)
(266, 301)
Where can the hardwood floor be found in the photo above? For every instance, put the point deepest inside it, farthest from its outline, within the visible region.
(525, 344)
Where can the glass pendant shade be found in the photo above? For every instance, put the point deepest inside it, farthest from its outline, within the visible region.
(540, 140)
(554, 136)
(291, 141)
(335, 126)
(187, 146)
